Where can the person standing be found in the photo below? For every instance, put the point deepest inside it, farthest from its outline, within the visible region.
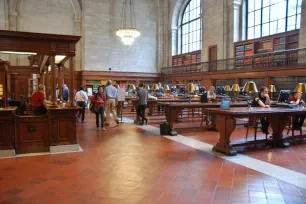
(111, 95)
(142, 96)
(81, 99)
(99, 102)
(38, 100)
(65, 93)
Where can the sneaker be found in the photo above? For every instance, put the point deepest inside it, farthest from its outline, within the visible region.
(103, 129)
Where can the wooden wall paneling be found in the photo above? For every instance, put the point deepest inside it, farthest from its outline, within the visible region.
(7, 130)
(32, 134)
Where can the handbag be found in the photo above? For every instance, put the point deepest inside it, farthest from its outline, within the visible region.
(95, 109)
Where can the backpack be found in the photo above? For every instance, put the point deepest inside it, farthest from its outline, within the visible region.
(204, 98)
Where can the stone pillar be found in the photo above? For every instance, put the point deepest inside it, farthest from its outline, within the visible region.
(78, 47)
(233, 25)
(174, 36)
(302, 33)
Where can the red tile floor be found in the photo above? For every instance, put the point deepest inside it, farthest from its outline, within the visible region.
(128, 165)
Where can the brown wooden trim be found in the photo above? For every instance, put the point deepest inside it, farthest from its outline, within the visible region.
(129, 76)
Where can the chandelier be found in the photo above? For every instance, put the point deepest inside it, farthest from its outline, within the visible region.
(128, 31)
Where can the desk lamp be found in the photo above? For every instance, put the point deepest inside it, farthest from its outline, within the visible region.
(147, 87)
(250, 87)
(227, 89)
(300, 87)
(236, 89)
(155, 88)
(190, 88)
(272, 90)
(131, 87)
(166, 89)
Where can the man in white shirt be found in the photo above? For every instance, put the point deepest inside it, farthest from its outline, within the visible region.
(81, 99)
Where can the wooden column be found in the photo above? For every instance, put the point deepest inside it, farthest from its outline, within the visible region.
(53, 81)
(60, 80)
(71, 86)
(47, 83)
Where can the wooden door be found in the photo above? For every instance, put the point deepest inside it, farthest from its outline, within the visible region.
(212, 57)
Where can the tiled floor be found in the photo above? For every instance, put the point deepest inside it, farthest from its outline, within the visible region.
(126, 164)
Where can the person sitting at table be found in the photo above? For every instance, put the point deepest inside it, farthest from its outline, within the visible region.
(297, 99)
(39, 101)
(211, 95)
(263, 100)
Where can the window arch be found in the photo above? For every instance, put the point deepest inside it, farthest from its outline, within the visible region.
(190, 28)
(268, 17)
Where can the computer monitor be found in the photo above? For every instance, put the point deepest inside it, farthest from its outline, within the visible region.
(201, 89)
(284, 95)
(14, 103)
(182, 90)
(220, 90)
(173, 89)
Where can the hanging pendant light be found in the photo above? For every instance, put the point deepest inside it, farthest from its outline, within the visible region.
(128, 31)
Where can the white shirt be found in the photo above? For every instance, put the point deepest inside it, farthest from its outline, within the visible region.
(81, 96)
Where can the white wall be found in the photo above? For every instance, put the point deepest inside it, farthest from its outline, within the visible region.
(103, 49)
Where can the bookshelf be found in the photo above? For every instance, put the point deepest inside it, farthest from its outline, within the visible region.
(272, 43)
(188, 58)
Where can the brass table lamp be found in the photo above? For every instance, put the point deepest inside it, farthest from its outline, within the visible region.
(250, 87)
(155, 87)
(227, 88)
(300, 87)
(190, 88)
(147, 87)
(236, 89)
(272, 90)
(166, 88)
(131, 87)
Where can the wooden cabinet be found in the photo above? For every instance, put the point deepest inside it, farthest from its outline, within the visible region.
(7, 129)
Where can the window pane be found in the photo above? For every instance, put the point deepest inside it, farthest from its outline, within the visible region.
(299, 7)
(192, 4)
(251, 33)
(257, 31)
(291, 23)
(266, 15)
(273, 27)
(257, 4)
(265, 3)
(251, 19)
(186, 17)
(251, 5)
(292, 7)
(298, 21)
(281, 10)
(265, 29)
(257, 17)
(273, 13)
(281, 24)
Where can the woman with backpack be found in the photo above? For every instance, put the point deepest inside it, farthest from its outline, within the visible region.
(98, 101)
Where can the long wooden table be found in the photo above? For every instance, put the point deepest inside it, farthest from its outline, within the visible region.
(172, 109)
(225, 120)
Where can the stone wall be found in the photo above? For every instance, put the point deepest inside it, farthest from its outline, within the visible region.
(104, 50)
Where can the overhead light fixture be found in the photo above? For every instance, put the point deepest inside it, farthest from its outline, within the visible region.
(59, 58)
(128, 31)
(18, 53)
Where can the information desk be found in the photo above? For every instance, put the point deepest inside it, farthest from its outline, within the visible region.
(29, 134)
(172, 109)
(225, 120)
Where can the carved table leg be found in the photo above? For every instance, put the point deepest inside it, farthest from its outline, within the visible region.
(225, 125)
(151, 107)
(278, 124)
(171, 114)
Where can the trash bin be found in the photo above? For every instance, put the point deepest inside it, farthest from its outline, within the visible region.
(164, 128)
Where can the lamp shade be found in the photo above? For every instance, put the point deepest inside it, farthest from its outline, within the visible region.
(155, 87)
(131, 87)
(300, 87)
(235, 88)
(250, 87)
(146, 87)
(116, 86)
(227, 88)
(272, 89)
(166, 88)
(197, 88)
(190, 87)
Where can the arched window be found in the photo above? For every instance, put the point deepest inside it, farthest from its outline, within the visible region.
(268, 17)
(190, 31)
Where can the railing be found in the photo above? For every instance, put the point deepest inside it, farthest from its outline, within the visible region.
(288, 58)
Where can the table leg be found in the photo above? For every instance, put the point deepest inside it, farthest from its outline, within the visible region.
(170, 114)
(225, 125)
(278, 124)
(151, 107)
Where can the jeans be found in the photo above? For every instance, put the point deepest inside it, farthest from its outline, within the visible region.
(82, 105)
(141, 111)
(101, 113)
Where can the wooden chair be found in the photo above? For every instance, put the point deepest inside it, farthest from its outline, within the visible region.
(256, 124)
(292, 127)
